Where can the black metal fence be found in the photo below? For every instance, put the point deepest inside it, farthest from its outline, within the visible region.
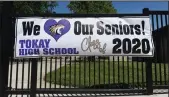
(77, 76)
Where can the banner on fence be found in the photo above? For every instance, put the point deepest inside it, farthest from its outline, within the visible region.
(113, 36)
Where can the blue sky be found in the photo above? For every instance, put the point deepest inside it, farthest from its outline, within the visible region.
(123, 7)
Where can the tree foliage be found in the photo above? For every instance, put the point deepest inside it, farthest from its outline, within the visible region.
(33, 7)
(91, 7)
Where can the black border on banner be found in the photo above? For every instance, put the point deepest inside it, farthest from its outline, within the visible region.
(44, 16)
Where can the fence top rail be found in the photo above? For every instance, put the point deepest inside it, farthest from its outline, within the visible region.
(76, 15)
(159, 12)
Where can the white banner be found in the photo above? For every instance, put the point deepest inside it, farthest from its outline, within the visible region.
(104, 36)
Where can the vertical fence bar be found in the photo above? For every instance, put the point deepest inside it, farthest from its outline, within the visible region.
(60, 72)
(33, 78)
(16, 83)
(22, 75)
(75, 71)
(161, 50)
(94, 71)
(104, 70)
(128, 70)
(138, 72)
(123, 68)
(23, 68)
(167, 42)
(84, 70)
(132, 73)
(159, 56)
(65, 73)
(114, 81)
(155, 51)
(50, 85)
(89, 72)
(28, 73)
(55, 71)
(149, 82)
(79, 71)
(99, 70)
(46, 60)
(70, 72)
(142, 69)
(11, 72)
(109, 71)
(118, 70)
(41, 62)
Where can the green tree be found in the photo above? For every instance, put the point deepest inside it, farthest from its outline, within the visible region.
(91, 7)
(33, 7)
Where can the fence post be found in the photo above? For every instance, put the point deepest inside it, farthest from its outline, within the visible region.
(168, 51)
(5, 45)
(149, 81)
(33, 77)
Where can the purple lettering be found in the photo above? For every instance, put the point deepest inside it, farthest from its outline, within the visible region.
(21, 42)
